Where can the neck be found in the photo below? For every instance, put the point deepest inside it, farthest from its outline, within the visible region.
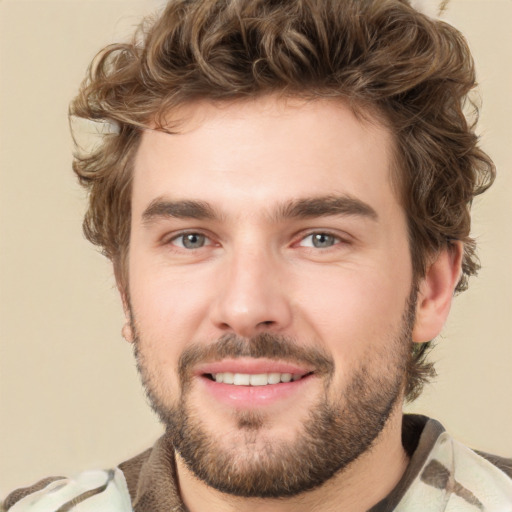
(358, 487)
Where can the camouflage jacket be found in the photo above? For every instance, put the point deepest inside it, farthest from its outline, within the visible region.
(443, 476)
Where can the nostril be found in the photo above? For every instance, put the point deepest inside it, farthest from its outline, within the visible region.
(267, 323)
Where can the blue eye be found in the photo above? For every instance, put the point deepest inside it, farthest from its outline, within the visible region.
(191, 241)
(319, 240)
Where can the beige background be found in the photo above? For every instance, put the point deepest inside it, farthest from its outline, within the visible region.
(69, 394)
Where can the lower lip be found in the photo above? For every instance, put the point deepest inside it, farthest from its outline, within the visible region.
(253, 396)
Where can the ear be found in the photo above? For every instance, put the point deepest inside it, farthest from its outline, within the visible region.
(435, 293)
(126, 331)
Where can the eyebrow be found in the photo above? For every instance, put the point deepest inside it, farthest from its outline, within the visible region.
(163, 208)
(325, 206)
(305, 208)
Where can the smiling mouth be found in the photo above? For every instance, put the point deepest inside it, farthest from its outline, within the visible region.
(259, 379)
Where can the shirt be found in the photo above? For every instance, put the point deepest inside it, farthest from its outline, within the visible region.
(443, 476)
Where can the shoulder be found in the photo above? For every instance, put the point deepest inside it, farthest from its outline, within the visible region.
(425, 438)
(93, 490)
(502, 463)
(443, 474)
(456, 476)
(111, 490)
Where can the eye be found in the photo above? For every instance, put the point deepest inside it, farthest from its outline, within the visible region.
(319, 240)
(191, 241)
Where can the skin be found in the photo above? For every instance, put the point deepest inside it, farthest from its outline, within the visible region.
(260, 272)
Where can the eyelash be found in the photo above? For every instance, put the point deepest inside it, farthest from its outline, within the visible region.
(185, 234)
(208, 241)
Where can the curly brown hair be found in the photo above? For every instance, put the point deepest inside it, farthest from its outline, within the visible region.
(382, 57)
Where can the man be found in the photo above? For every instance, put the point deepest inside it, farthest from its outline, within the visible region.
(285, 197)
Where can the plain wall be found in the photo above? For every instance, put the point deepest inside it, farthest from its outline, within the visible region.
(70, 398)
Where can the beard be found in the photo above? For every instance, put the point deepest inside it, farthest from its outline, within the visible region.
(340, 427)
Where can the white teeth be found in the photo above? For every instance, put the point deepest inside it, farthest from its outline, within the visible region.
(274, 378)
(259, 379)
(241, 379)
(228, 378)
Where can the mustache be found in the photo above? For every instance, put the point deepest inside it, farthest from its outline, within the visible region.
(264, 345)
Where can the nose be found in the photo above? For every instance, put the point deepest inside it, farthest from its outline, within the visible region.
(251, 295)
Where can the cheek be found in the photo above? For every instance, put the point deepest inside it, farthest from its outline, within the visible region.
(352, 309)
(166, 307)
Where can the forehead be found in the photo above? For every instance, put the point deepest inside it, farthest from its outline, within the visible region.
(248, 155)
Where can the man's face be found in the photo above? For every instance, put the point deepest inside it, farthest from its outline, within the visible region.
(270, 289)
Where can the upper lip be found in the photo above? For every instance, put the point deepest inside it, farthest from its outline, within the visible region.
(251, 366)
